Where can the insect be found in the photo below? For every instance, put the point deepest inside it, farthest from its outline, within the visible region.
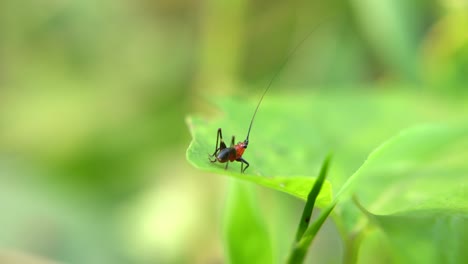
(234, 152)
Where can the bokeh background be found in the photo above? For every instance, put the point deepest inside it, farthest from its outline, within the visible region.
(94, 95)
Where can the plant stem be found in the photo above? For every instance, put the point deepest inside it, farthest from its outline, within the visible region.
(311, 198)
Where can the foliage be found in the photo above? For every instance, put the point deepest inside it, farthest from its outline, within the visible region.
(418, 176)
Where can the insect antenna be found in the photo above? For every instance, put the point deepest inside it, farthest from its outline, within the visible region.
(288, 57)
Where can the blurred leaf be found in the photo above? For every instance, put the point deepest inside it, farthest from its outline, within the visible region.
(49, 220)
(421, 168)
(416, 184)
(389, 26)
(247, 238)
(445, 53)
(428, 236)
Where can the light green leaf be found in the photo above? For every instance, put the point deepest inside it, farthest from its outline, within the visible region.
(415, 186)
(421, 168)
(293, 133)
(289, 165)
(246, 235)
(419, 236)
(428, 236)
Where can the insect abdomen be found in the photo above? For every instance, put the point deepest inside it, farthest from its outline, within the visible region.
(227, 154)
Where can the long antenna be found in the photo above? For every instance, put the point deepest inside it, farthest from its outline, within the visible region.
(276, 75)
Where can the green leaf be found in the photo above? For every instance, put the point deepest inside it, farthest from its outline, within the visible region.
(292, 134)
(246, 235)
(283, 165)
(424, 236)
(428, 236)
(421, 168)
(415, 186)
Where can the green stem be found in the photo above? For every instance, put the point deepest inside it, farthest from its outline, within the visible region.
(311, 198)
(351, 249)
(300, 248)
(353, 242)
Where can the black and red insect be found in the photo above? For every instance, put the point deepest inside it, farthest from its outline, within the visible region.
(225, 154)
(234, 152)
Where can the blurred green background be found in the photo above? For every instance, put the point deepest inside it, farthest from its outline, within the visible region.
(94, 95)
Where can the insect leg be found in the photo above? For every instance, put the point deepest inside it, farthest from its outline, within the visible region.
(242, 161)
(233, 141)
(221, 146)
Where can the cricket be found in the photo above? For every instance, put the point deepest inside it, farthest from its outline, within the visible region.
(225, 154)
